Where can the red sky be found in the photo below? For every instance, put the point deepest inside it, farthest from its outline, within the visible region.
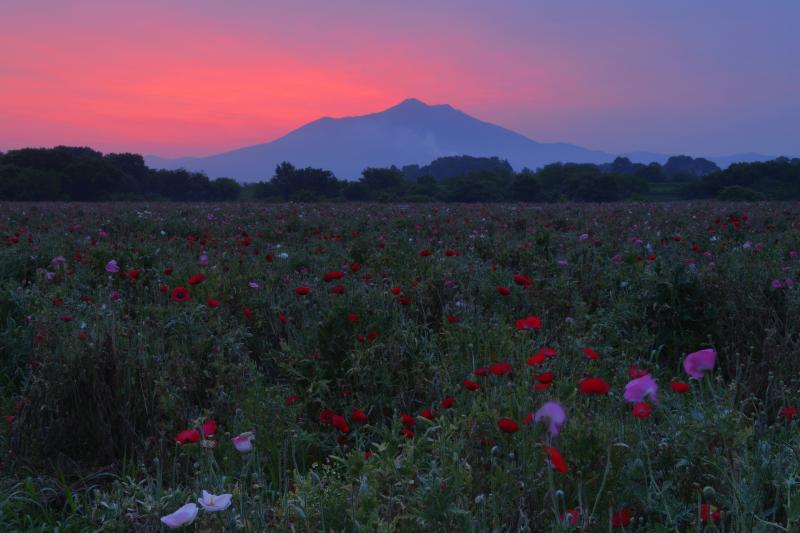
(199, 77)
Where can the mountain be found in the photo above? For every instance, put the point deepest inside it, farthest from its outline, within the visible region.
(411, 132)
(723, 161)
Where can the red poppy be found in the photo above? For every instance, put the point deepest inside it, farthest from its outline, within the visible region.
(180, 294)
(373, 335)
(359, 416)
(133, 274)
(535, 360)
(452, 319)
(408, 433)
(507, 425)
(355, 267)
(427, 413)
(354, 318)
(330, 276)
(525, 281)
(531, 322)
(594, 386)
(641, 410)
(340, 423)
(789, 412)
(197, 278)
(505, 291)
(291, 400)
(326, 416)
(451, 253)
(528, 420)
(447, 403)
(404, 300)
(471, 385)
(302, 291)
(482, 371)
(679, 387)
(248, 314)
(337, 289)
(539, 387)
(591, 354)
(367, 455)
(571, 516)
(10, 419)
(187, 436)
(209, 428)
(162, 288)
(635, 372)
(168, 271)
(395, 290)
(556, 460)
(500, 369)
(546, 377)
(621, 518)
(212, 303)
(424, 252)
(407, 419)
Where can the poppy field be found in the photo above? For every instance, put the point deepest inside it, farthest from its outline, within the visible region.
(385, 367)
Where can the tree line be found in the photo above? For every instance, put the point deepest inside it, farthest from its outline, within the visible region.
(82, 174)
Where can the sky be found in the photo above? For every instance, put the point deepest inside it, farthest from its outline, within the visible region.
(197, 77)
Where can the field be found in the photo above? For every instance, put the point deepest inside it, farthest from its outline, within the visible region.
(400, 368)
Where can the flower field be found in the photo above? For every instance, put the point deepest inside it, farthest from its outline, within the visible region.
(380, 367)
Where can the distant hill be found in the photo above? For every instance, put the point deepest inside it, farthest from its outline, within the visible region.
(409, 133)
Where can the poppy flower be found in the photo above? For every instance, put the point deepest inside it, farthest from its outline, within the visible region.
(507, 425)
(500, 369)
(636, 372)
(679, 387)
(524, 281)
(248, 314)
(594, 386)
(209, 428)
(180, 294)
(424, 252)
(528, 420)
(591, 354)
(395, 290)
(546, 377)
(531, 322)
(133, 274)
(187, 436)
(330, 276)
(709, 512)
(404, 300)
(570, 517)
(184, 516)
(372, 335)
(367, 455)
(326, 416)
(641, 410)
(212, 303)
(197, 278)
(556, 460)
(554, 415)
(168, 271)
(337, 289)
(243, 442)
(408, 433)
(505, 291)
(427, 413)
(291, 400)
(539, 387)
(354, 318)
(215, 502)
(447, 403)
(162, 288)
(302, 291)
(695, 364)
(359, 416)
(452, 319)
(407, 419)
(355, 267)
(535, 360)
(340, 423)
(621, 518)
(471, 385)
(789, 412)
(640, 388)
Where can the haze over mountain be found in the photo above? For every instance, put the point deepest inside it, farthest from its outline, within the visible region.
(411, 132)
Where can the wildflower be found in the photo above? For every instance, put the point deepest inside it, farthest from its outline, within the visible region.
(522, 280)
(696, 363)
(212, 303)
(571, 516)
(340, 423)
(408, 433)
(424, 252)
(330, 276)
(482, 371)
(500, 369)
(546, 377)
(789, 412)
(197, 278)
(621, 518)
(180, 294)
(112, 266)
(594, 386)
(531, 322)
(556, 460)
(213, 502)
(640, 388)
(325, 416)
(679, 387)
(359, 416)
(776, 284)
(203, 260)
(505, 291)
(507, 425)
(427, 413)
(243, 442)
(591, 354)
(636, 372)
(184, 516)
(709, 512)
(209, 428)
(302, 291)
(641, 410)
(555, 416)
(337, 289)
(447, 403)
(407, 419)
(471, 385)
(187, 436)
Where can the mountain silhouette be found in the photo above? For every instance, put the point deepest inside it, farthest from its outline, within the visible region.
(411, 132)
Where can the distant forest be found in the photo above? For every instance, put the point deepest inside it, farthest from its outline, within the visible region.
(82, 174)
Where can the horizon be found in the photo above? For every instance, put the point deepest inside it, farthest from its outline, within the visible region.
(195, 78)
